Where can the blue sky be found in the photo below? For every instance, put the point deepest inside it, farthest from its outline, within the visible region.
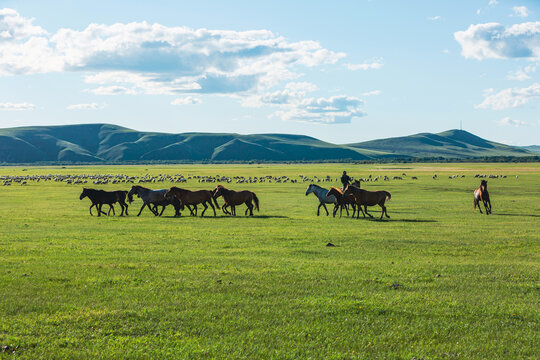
(342, 71)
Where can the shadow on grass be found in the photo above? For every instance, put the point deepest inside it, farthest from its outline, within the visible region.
(376, 219)
(524, 215)
(229, 217)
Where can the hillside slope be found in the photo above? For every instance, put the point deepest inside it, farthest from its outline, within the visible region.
(108, 143)
(448, 144)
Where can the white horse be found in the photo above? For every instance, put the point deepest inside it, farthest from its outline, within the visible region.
(321, 195)
(154, 197)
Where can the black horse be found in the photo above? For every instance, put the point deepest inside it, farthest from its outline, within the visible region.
(101, 197)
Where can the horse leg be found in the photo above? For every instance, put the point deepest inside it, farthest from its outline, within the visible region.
(250, 208)
(212, 206)
(486, 207)
(162, 210)
(319, 208)
(335, 210)
(111, 207)
(142, 207)
(233, 210)
(489, 203)
(365, 209)
(325, 208)
(205, 207)
(91, 206)
(101, 211)
(386, 212)
(358, 212)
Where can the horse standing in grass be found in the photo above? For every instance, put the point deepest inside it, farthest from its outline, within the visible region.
(155, 198)
(188, 197)
(368, 198)
(481, 194)
(321, 194)
(233, 198)
(342, 201)
(101, 197)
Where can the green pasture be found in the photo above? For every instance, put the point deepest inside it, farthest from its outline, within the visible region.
(436, 281)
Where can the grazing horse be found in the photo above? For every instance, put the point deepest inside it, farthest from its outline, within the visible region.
(481, 194)
(101, 197)
(187, 197)
(154, 197)
(321, 194)
(233, 198)
(342, 201)
(368, 198)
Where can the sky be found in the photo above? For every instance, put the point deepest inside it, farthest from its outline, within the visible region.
(340, 71)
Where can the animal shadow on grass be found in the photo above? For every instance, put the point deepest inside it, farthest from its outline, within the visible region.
(525, 215)
(400, 220)
(229, 217)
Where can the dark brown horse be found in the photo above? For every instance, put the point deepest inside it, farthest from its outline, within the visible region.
(188, 197)
(342, 201)
(481, 194)
(368, 198)
(101, 197)
(233, 198)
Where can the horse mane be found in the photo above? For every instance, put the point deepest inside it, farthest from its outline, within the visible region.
(336, 189)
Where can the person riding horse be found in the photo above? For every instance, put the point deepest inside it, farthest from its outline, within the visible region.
(345, 180)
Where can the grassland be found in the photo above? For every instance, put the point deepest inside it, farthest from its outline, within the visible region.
(436, 281)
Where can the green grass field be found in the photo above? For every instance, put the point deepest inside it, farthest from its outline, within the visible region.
(436, 281)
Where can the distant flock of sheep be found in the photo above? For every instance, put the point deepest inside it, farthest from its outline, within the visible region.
(104, 179)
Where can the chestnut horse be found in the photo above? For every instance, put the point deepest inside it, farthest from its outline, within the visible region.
(342, 201)
(368, 198)
(481, 194)
(188, 197)
(233, 198)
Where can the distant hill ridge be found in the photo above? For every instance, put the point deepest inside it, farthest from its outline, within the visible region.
(98, 143)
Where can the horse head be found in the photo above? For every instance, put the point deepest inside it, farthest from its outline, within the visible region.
(309, 189)
(218, 191)
(83, 194)
(132, 191)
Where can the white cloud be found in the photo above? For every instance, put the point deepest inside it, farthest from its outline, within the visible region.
(522, 73)
(493, 2)
(433, 18)
(16, 107)
(376, 64)
(112, 90)
(91, 106)
(188, 100)
(157, 59)
(507, 121)
(446, 51)
(372, 93)
(509, 98)
(294, 105)
(520, 11)
(494, 41)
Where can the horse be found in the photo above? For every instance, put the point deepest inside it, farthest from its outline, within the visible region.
(233, 198)
(342, 201)
(481, 194)
(100, 197)
(154, 197)
(188, 197)
(368, 198)
(321, 194)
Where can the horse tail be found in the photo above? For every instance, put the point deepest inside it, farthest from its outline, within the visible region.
(388, 196)
(256, 200)
(215, 201)
(475, 202)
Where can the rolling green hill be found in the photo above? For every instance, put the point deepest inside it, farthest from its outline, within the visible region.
(111, 143)
(532, 148)
(448, 144)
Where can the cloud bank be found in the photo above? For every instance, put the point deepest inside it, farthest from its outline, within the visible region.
(495, 41)
(509, 98)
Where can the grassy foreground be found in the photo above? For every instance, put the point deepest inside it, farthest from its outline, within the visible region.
(436, 281)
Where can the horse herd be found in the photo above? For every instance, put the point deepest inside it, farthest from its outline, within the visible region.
(351, 195)
(179, 198)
